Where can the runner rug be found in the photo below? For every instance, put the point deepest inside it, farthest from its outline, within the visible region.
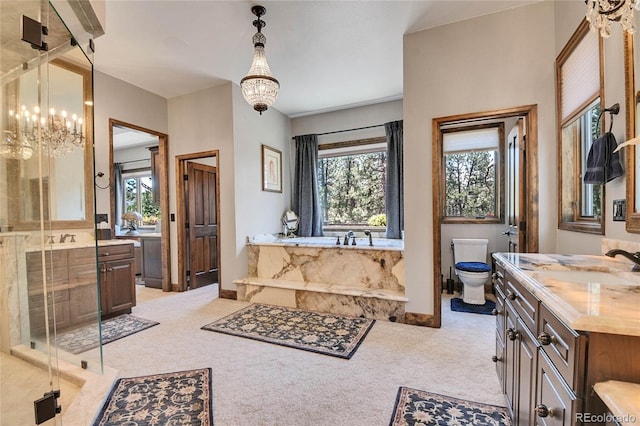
(87, 337)
(416, 407)
(181, 398)
(319, 332)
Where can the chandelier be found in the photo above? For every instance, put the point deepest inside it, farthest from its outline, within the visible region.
(259, 87)
(60, 134)
(600, 14)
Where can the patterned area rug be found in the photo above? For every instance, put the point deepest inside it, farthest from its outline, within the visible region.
(416, 407)
(84, 338)
(323, 333)
(181, 398)
(458, 305)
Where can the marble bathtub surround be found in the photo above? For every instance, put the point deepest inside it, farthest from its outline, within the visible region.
(622, 399)
(606, 303)
(358, 280)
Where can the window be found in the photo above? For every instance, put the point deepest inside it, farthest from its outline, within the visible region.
(472, 170)
(351, 182)
(579, 92)
(138, 196)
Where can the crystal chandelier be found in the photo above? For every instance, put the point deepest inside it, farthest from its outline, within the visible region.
(60, 135)
(600, 14)
(259, 87)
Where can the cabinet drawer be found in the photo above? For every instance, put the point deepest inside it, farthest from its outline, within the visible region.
(556, 404)
(498, 278)
(524, 303)
(115, 252)
(562, 345)
(53, 259)
(82, 256)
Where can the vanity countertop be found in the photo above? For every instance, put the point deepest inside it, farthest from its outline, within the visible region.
(607, 307)
(86, 244)
(622, 398)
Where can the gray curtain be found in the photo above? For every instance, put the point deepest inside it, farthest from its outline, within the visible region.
(119, 192)
(394, 191)
(306, 199)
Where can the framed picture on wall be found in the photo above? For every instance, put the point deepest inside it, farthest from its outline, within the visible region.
(271, 169)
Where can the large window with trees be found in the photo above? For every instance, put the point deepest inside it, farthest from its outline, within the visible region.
(472, 173)
(351, 182)
(579, 90)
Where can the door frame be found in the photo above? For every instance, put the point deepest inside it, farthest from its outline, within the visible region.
(181, 214)
(530, 113)
(163, 173)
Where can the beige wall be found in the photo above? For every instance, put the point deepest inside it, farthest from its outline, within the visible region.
(495, 61)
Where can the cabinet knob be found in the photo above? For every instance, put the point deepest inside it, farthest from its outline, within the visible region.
(546, 339)
(495, 358)
(544, 411)
(511, 295)
(105, 254)
(495, 312)
(512, 334)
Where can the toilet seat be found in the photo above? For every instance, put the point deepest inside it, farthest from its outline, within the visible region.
(473, 267)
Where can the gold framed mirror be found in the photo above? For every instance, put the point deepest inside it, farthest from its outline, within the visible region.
(632, 152)
(50, 107)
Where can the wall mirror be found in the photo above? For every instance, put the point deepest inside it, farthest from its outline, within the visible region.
(48, 111)
(632, 152)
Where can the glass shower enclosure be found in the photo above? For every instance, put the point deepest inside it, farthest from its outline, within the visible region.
(49, 292)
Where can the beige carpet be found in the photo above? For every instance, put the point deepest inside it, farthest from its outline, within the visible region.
(263, 384)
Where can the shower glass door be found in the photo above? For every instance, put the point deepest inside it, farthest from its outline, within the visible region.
(49, 298)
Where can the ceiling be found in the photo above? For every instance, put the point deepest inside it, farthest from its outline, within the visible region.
(327, 55)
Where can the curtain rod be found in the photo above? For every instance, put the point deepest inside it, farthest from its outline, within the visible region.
(133, 161)
(347, 130)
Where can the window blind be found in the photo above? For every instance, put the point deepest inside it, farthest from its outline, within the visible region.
(471, 140)
(580, 75)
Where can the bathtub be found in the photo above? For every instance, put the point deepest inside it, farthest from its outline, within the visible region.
(317, 274)
(329, 242)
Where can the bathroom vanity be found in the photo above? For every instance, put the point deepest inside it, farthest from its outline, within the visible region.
(72, 283)
(564, 323)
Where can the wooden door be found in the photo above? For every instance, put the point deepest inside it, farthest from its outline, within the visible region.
(516, 187)
(202, 226)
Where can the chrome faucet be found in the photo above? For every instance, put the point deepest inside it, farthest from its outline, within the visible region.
(368, 234)
(634, 257)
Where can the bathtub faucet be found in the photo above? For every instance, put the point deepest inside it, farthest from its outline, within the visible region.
(368, 234)
(346, 238)
(634, 257)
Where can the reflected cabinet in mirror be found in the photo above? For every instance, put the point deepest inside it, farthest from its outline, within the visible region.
(47, 147)
(632, 152)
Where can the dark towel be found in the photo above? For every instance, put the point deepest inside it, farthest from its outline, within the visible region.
(603, 165)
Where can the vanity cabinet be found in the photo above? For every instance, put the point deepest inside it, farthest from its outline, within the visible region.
(116, 264)
(547, 369)
(151, 260)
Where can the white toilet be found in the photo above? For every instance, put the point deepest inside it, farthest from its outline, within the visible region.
(469, 257)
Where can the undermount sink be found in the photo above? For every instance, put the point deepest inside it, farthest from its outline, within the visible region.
(589, 277)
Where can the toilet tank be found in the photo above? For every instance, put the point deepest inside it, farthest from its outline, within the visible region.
(469, 250)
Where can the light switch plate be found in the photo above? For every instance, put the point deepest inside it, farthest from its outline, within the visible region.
(619, 210)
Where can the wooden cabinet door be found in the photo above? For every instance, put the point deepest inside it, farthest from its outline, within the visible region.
(527, 362)
(121, 290)
(510, 360)
(556, 404)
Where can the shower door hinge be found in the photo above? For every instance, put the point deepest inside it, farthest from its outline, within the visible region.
(47, 407)
(33, 32)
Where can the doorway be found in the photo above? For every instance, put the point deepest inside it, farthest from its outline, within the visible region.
(520, 183)
(155, 164)
(198, 218)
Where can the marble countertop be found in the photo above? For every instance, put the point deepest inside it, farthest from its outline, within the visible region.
(607, 304)
(622, 398)
(83, 244)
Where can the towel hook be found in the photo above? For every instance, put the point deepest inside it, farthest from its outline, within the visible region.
(613, 110)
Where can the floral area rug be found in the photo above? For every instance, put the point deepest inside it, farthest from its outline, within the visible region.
(319, 332)
(416, 407)
(87, 337)
(181, 398)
